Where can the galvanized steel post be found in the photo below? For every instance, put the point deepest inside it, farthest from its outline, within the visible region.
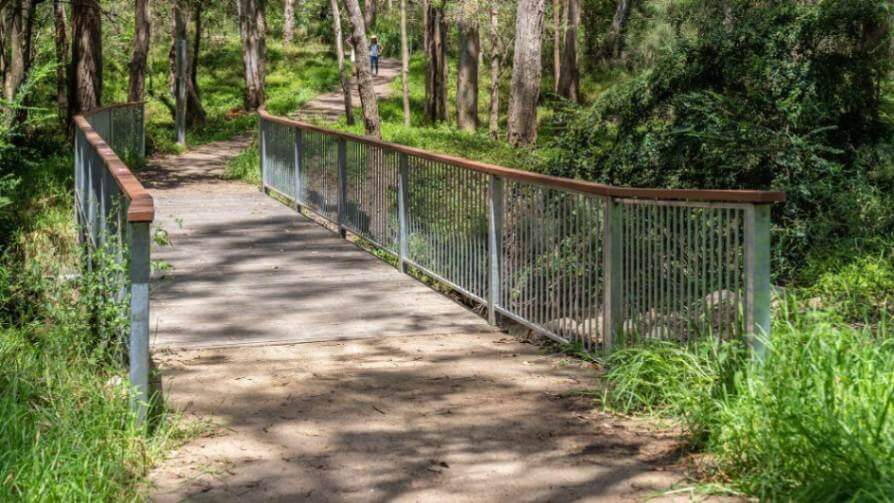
(611, 255)
(262, 140)
(180, 111)
(403, 186)
(342, 186)
(494, 246)
(757, 277)
(297, 164)
(139, 317)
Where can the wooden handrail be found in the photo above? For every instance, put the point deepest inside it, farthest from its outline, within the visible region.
(142, 207)
(728, 196)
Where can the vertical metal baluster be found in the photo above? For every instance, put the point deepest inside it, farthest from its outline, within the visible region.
(402, 209)
(495, 246)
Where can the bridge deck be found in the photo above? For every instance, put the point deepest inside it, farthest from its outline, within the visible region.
(244, 269)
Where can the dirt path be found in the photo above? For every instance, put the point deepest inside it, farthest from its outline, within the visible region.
(426, 418)
(331, 106)
(461, 414)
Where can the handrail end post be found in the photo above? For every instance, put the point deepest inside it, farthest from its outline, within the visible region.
(758, 318)
(612, 250)
(138, 345)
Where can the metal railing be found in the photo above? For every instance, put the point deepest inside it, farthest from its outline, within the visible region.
(579, 262)
(113, 213)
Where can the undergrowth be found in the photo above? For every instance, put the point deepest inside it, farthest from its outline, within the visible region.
(813, 421)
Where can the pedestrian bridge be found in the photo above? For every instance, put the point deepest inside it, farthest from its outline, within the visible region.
(350, 237)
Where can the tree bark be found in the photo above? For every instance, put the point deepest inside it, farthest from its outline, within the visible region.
(526, 73)
(288, 30)
(436, 77)
(614, 39)
(569, 77)
(252, 30)
(60, 39)
(467, 74)
(557, 44)
(195, 112)
(20, 27)
(140, 52)
(86, 60)
(496, 60)
(426, 36)
(369, 13)
(368, 101)
(343, 77)
(198, 12)
(405, 61)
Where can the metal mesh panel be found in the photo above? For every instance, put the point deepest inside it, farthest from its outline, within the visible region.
(279, 161)
(682, 270)
(319, 174)
(122, 128)
(371, 207)
(447, 223)
(552, 261)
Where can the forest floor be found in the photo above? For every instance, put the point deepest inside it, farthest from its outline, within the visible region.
(330, 107)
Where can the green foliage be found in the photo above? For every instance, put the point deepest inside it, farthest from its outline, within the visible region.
(748, 94)
(246, 166)
(813, 421)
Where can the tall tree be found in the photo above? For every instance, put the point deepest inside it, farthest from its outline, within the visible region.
(343, 77)
(288, 29)
(436, 76)
(557, 43)
(569, 76)
(369, 13)
(140, 52)
(370, 106)
(526, 73)
(467, 74)
(404, 61)
(195, 112)
(496, 62)
(614, 39)
(86, 60)
(252, 30)
(20, 27)
(60, 40)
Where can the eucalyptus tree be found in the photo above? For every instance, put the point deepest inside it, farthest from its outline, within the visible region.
(526, 73)
(369, 105)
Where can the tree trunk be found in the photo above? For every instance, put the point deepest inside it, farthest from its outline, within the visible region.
(21, 22)
(140, 52)
(252, 30)
(614, 39)
(557, 44)
(426, 36)
(343, 77)
(86, 60)
(496, 60)
(60, 40)
(569, 77)
(467, 74)
(369, 13)
(368, 101)
(195, 113)
(405, 61)
(288, 30)
(526, 73)
(436, 77)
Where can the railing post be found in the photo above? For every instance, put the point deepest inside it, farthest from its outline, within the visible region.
(403, 199)
(611, 256)
(263, 144)
(180, 112)
(297, 164)
(342, 186)
(139, 317)
(494, 246)
(757, 277)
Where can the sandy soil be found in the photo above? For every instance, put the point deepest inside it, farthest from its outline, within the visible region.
(425, 418)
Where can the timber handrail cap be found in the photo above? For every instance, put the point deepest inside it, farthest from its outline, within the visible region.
(701, 195)
(142, 206)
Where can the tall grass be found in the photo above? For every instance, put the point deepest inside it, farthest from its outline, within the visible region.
(814, 421)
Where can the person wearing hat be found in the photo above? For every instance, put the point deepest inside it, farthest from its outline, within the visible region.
(374, 50)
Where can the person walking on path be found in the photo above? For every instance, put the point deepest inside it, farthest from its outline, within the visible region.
(374, 50)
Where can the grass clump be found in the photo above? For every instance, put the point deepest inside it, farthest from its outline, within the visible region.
(813, 421)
